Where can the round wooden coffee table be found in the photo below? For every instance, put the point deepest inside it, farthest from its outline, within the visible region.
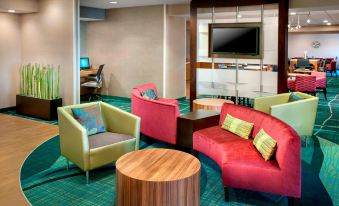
(158, 177)
(210, 104)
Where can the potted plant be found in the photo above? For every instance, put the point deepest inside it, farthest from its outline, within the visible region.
(39, 91)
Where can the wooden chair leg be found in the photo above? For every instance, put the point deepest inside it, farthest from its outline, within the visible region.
(293, 201)
(325, 92)
(227, 194)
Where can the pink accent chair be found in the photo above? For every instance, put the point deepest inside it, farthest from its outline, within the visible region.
(332, 67)
(158, 117)
(242, 165)
(321, 82)
(306, 84)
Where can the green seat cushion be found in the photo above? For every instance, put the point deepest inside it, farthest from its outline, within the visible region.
(237, 126)
(294, 97)
(149, 94)
(265, 144)
(90, 118)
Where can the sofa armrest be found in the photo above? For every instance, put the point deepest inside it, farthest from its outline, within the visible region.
(264, 104)
(299, 114)
(119, 121)
(74, 143)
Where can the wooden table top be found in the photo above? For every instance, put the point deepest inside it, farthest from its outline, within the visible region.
(158, 165)
(211, 101)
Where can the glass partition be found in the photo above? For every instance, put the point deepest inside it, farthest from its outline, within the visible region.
(238, 79)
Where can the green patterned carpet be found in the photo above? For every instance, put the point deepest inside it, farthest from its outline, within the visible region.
(45, 180)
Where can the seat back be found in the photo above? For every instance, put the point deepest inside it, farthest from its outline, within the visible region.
(303, 63)
(305, 83)
(99, 73)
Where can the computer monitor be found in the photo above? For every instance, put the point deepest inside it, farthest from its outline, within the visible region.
(84, 63)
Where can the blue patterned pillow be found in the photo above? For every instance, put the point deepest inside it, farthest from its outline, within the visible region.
(90, 118)
(149, 94)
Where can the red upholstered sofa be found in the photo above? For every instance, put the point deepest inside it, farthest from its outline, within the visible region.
(158, 117)
(242, 165)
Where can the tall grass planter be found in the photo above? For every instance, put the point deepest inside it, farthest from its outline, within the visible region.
(39, 91)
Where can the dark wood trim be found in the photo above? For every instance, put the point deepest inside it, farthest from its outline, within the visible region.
(193, 57)
(283, 46)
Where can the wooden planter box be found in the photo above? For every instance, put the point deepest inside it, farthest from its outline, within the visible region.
(39, 108)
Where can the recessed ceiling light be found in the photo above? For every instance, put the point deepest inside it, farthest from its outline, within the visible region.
(11, 11)
(325, 21)
(113, 2)
(239, 15)
(293, 13)
(308, 21)
(328, 24)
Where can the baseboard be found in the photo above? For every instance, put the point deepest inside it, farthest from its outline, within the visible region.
(7, 109)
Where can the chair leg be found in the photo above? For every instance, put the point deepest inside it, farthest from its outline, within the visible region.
(325, 92)
(195, 153)
(227, 194)
(293, 201)
(87, 177)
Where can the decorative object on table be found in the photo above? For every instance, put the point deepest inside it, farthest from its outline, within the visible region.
(299, 114)
(88, 153)
(158, 177)
(242, 166)
(39, 91)
(159, 117)
(316, 44)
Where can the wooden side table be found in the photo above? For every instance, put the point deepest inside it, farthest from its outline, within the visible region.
(158, 177)
(189, 123)
(209, 104)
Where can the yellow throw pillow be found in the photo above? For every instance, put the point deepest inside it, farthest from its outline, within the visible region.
(265, 144)
(237, 126)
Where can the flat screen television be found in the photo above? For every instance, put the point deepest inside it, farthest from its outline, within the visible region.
(84, 63)
(236, 40)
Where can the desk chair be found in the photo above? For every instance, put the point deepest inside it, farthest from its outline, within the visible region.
(95, 84)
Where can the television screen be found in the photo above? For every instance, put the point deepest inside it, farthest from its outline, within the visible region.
(84, 63)
(233, 40)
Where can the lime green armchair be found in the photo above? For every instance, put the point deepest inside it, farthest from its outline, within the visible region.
(299, 114)
(88, 153)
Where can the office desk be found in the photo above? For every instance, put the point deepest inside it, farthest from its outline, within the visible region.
(84, 78)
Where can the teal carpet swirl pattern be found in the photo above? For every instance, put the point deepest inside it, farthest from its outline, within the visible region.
(45, 180)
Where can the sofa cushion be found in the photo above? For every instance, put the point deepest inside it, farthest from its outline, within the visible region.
(107, 138)
(149, 94)
(90, 118)
(294, 97)
(237, 126)
(265, 144)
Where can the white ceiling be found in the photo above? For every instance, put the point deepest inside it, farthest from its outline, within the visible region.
(317, 17)
(104, 4)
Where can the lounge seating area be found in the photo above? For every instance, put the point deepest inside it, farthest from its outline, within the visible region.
(169, 103)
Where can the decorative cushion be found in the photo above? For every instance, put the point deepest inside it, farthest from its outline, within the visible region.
(149, 94)
(90, 118)
(237, 126)
(265, 144)
(294, 97)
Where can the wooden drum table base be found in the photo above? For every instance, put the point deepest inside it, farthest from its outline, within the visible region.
(158, 177)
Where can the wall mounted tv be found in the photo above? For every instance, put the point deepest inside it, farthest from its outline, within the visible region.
(235, 40)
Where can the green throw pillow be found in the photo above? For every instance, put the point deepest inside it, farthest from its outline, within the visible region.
(90, 117)
(294, 97)
(265, 144)
(149, 94)
(237, 126)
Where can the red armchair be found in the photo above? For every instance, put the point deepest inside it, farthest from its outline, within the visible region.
(306, 84)
(242, 165)
(332, 67)
(158, 117)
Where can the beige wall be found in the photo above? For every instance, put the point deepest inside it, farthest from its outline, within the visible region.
(10, 58)
(130, 44)
(175, 69)
(47, 38)
(298, 43)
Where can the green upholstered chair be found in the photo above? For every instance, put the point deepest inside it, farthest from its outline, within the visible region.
(299, 114)
(88, 153)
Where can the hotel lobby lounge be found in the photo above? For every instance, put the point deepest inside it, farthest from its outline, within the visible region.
(168, 103)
